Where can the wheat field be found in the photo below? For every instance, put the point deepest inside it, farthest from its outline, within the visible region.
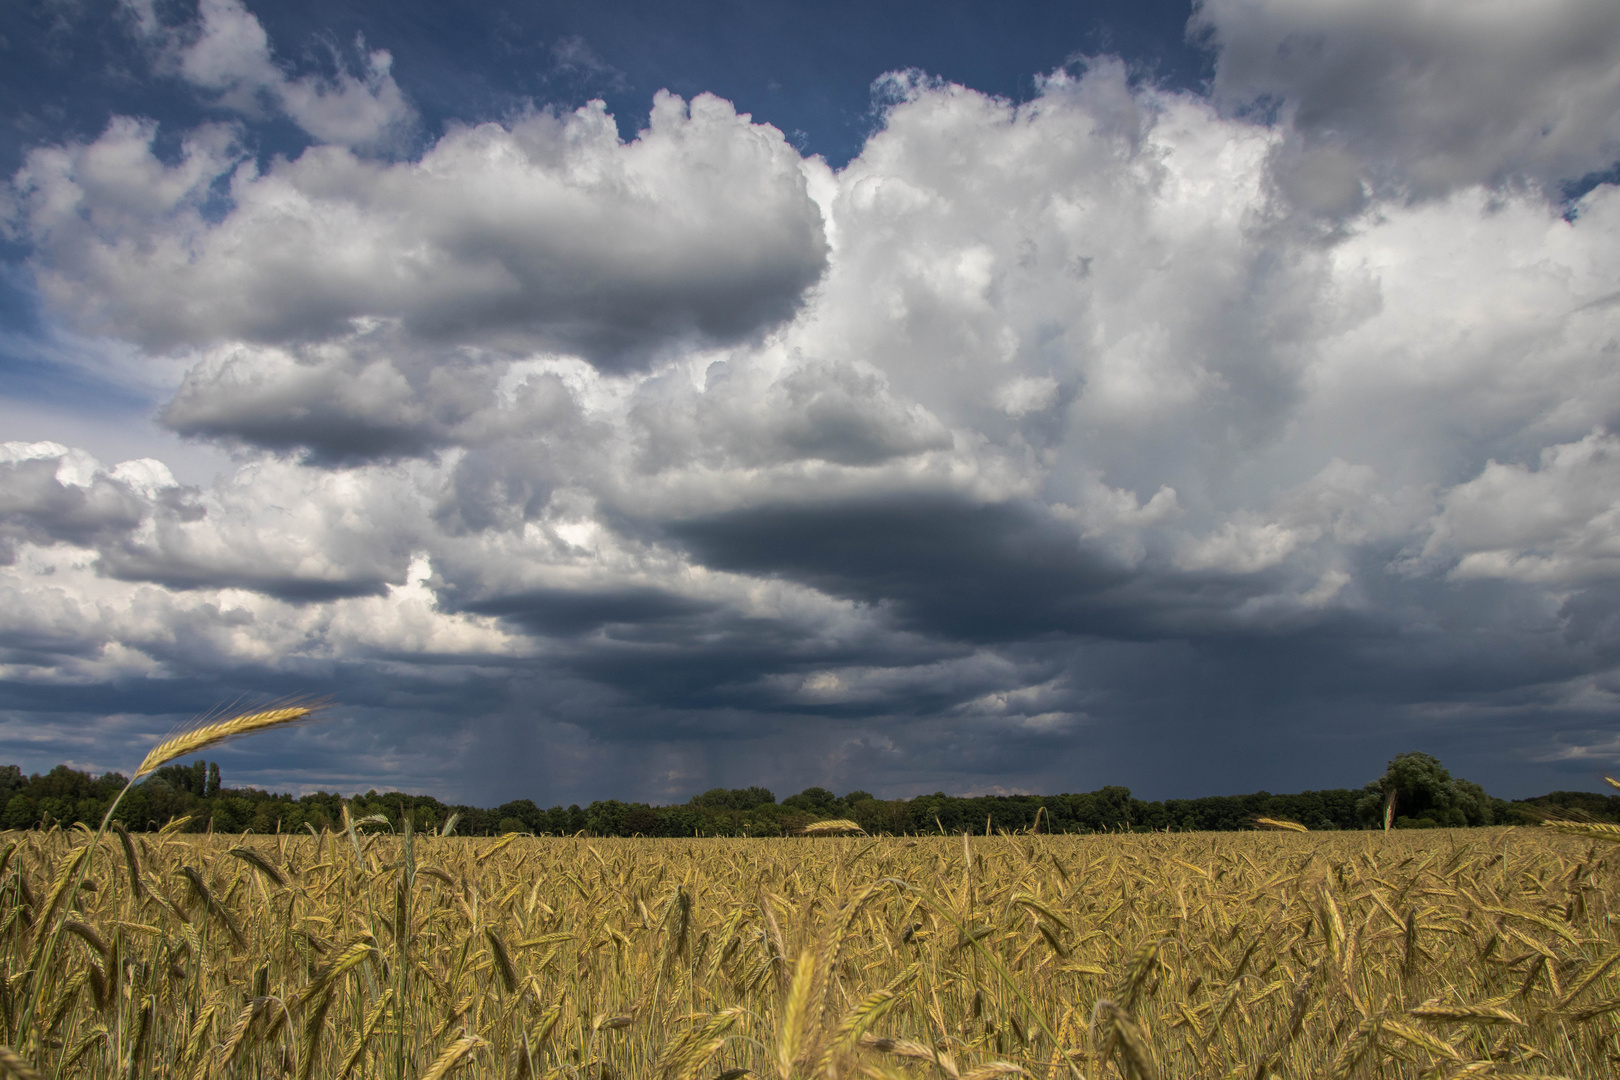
(1487, 952)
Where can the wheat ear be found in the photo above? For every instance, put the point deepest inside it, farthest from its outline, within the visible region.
(453, 1056)
(200, 738)
(14, 1064)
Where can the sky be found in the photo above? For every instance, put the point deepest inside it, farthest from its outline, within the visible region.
(623, 400)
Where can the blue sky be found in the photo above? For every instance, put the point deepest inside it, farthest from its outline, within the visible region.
(624, 400)
(805, 68)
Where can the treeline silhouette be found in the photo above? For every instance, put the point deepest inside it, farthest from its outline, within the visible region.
(194, 792)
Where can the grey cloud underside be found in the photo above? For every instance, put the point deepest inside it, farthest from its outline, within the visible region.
(183, 575)
(327, 432)
(665, 651)
(339, 407)
(1424, 99)
(623, 316)
(568, 612)
(1114, 436)
(36, 508)
(947, 566)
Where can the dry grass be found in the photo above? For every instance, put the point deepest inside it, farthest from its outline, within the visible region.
(1440, 954)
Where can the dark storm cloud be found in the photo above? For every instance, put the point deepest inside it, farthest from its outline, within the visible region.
(949, 566)
(963, 570)
(567, 612)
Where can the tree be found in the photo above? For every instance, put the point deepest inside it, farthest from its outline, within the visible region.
(848, 801)
(11, 780)
(732, 798)
(1426, 795)
(605, 817)
(20, 813)
(641, 820)
(530, 817)
(814, 800)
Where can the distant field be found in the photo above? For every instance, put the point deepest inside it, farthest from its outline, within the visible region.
(1486, 952)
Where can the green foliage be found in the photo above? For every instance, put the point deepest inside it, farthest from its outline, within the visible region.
(1576, 804)
(732, 798)
(816, 800)
(1426, 796)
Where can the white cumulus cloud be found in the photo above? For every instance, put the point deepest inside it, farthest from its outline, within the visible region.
(550, 233)
(226, 53)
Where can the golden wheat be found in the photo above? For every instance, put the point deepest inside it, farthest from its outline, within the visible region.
(1433, 954)
(200, 738)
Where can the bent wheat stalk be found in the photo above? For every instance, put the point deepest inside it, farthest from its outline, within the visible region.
(1279, 825)
(177, 746)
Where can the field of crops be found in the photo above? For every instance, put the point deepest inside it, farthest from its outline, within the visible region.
(1432, 954)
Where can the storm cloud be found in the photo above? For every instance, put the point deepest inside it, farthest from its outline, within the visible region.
(1198, 442)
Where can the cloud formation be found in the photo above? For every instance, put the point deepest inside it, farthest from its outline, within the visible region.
(548, 234)
(1039, 435)
(226, 53)
(1424, 98)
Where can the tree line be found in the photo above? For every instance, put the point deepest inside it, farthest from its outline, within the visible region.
(1425, 795)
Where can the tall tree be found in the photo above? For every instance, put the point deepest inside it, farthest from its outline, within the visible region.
(1425, 794)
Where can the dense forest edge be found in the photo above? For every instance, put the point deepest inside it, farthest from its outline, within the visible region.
(1425, 796)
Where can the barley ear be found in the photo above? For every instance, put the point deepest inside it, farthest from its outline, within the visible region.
(238, 1031)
